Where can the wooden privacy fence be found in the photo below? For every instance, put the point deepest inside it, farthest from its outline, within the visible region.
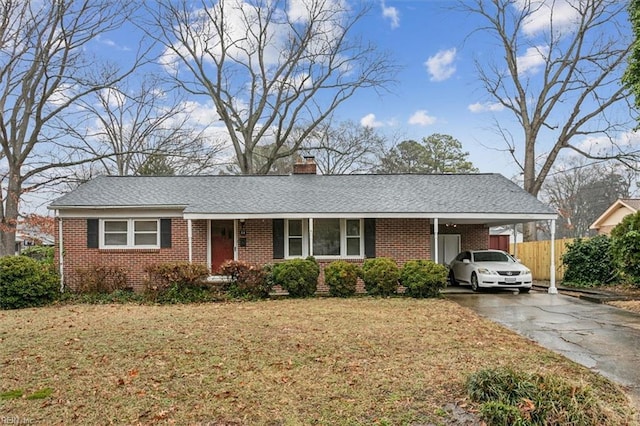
(536, 255)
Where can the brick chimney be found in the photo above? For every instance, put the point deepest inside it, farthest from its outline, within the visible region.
(307, 166)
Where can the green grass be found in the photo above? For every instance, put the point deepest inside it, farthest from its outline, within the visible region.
(314, 361)
(12, 394)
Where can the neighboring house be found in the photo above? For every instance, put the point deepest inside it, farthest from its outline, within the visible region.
(25, 240)
(614, 215)
(136, 221)
(501, 237)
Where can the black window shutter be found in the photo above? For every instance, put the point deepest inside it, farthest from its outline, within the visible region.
(92, 233)
(165, 233)
(369, 238)
(278, 238)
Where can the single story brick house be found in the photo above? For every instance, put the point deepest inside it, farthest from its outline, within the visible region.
(132, 221)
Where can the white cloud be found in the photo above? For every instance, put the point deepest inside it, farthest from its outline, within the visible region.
(203, 31)
(532, 60)
(114, 98)
(440, 66)
(110, 43)
(369, 120)
(298, 11)
(479, 107)
(390, 13)
(421, 118)
(563, 13)
(62, 95)
(605, 145)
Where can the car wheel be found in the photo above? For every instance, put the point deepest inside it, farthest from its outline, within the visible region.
(452, 278)
(524, 289)
(474, 282)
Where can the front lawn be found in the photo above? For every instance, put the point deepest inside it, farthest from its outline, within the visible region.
(315, 361)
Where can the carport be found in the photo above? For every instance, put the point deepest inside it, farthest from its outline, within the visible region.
(442, 226)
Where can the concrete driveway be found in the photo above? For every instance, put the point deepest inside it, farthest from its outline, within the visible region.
(601, 337)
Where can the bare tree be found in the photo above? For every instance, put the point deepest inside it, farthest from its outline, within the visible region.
(559, 75)
(581, 191)
(133, 131)
(45, 68)
(270, 66)
(344, 148)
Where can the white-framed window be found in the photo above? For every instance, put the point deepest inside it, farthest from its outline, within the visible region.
(354, 243)
(130, 233)
(296, 238)
(338, 238)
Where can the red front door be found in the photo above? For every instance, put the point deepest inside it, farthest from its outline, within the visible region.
(221, 243)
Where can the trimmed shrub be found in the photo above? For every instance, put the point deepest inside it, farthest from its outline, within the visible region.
(25, 283)
(247, 280)
(625, 248)
(298, 276)
(423, 278)
(178, 282)
(100, 279)
(184, 274)
(380, 276)
(341, 277)
(589, 262)
(515, 398)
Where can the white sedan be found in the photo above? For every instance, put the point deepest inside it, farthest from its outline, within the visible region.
(489, 269)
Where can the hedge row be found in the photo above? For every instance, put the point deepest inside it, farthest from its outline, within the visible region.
(604, 260)
(26, 282)
(381, 276)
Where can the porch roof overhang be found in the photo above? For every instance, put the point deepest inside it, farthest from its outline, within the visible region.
(489, 219)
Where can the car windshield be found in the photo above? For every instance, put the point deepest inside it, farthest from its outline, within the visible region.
(491, 256)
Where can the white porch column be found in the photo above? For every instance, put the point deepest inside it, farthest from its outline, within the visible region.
(435, 239)
(552, 272)
(60, 254)
(190, 239)
(310, 237)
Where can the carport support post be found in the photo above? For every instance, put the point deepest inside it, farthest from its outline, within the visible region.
(552, 272)
(435, 239)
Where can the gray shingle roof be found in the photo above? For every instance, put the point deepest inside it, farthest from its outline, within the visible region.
(310, 194)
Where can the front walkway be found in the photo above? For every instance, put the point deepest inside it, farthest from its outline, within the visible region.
(601, 337)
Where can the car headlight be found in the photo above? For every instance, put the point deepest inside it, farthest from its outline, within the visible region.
(487, 271)
(526, 271)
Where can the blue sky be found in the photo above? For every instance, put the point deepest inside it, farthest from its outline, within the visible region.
(438, 89)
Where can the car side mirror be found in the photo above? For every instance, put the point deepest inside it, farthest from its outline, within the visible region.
(466, 261)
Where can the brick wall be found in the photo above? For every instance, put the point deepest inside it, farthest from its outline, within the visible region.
(259, 241)
(399, 239)
(403, 239)
(472, 237)
(78, 257)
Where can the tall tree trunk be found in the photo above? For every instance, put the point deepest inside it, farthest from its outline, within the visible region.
(10, 218)
(529, 229)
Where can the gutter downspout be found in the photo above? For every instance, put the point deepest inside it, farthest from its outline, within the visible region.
(552, 272)
(190, 239)
(60, 253)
